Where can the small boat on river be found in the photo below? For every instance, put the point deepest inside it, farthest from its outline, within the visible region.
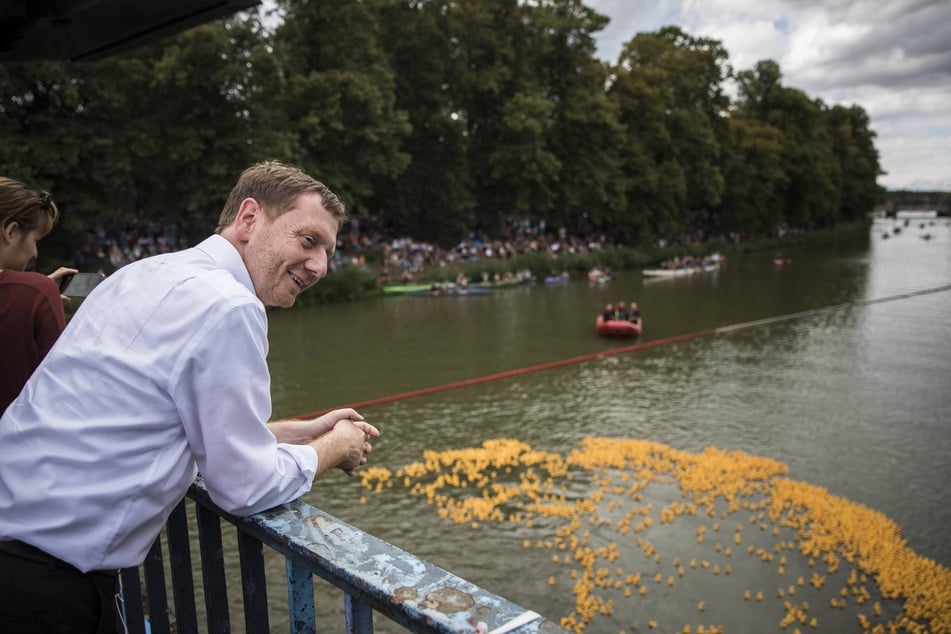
(401, 289)
(687, 265)
(563, 278)
(617, 327)
(449, 290)
(680, 272)
(599, 276)
(508, 280)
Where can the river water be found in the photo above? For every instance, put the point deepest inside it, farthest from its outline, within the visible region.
(845, 381)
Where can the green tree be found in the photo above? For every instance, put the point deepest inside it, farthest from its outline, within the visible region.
(586, 191)
(512, 169)
(677, 80)
(643, 141)
(810, 195)
(755, 178)
(853, 144)
(432, 199)
(431, 117)
(59, 125)
(809, 198)
(340, 99)
(758, 88)
(199, 122)
(522, 168)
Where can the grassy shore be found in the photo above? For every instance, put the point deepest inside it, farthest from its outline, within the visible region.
(351, 283)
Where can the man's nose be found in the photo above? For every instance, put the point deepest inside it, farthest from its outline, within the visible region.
(317, 264)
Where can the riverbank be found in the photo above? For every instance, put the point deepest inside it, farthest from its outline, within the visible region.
(350, 283)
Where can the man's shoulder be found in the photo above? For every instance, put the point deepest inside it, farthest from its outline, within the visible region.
(193, 272)
(164, 299)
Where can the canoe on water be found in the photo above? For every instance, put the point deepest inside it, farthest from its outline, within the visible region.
(400, 289)
(618, 327)
(690, 270)
(450, 291)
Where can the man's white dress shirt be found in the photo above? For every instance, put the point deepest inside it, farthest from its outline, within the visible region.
(160, 374)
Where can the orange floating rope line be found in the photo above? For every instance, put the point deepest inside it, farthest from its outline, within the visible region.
(834, 307)
(614, 351)
(511, 373)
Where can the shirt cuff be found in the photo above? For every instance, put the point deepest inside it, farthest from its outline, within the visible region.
(304, 456)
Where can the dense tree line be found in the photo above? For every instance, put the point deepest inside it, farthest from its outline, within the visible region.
(434, 117)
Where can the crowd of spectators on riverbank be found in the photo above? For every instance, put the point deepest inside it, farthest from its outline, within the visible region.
(122, 240)
(401, 258)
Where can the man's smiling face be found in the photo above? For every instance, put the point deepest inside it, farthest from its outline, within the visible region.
(288, 254)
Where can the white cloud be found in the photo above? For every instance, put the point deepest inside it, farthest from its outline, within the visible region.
(891, 57)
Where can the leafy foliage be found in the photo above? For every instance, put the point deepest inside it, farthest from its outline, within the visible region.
(432, 118)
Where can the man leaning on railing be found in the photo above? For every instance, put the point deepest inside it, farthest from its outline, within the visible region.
(159, 375)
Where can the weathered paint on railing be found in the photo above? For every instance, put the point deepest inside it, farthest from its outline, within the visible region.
(373, 574)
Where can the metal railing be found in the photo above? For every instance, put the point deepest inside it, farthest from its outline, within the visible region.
(375, 577)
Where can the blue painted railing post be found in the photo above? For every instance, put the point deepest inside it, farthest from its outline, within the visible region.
(155, 589)
(253, 583)
(180, 559)
(300, 598)
(213, 571)
(359, 615)
(132, 613)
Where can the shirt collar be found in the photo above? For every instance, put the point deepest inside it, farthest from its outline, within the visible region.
(223, 252)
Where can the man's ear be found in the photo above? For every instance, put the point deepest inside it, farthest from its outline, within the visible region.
(249, 214)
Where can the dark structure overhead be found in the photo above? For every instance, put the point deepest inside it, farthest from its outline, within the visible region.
(91, 29)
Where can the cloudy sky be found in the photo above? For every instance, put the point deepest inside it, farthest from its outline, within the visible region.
(891, 57)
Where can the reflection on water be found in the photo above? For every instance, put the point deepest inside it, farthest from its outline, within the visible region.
(854, 401)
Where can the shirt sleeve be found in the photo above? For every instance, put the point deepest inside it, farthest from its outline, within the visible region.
(222, 392)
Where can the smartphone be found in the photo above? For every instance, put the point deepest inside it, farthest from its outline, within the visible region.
(79, 284)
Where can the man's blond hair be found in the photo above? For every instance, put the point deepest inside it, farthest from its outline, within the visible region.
(276, 186)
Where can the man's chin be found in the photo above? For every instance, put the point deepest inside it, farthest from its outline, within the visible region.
(285, 302)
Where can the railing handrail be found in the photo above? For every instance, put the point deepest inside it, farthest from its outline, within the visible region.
(373, 574)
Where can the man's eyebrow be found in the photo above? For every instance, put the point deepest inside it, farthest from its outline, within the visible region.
(313, 231)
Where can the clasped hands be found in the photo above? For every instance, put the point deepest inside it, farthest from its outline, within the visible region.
(343, 437)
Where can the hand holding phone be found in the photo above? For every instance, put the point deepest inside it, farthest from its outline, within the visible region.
(80, 284)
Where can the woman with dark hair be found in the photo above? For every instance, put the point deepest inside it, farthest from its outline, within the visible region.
(31, 308)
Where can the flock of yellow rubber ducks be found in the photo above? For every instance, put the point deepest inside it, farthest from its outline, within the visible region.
(612, 503)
